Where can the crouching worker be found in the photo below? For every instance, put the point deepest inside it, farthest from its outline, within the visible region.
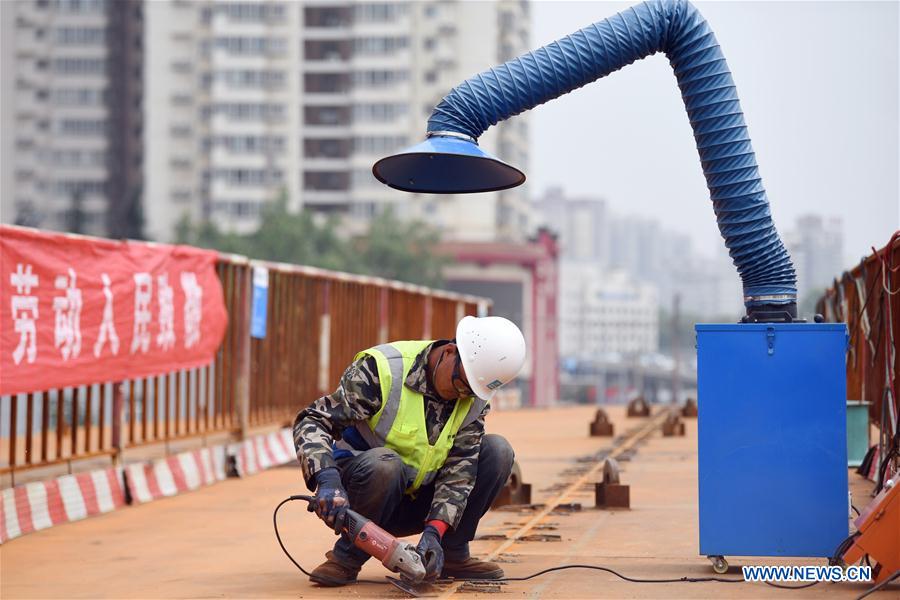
(402, 442)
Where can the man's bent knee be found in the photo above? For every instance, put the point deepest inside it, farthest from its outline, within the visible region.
(378, 465)
(496, 454)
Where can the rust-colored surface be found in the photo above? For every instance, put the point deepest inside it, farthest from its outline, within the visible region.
(218, 541)
(865, 298)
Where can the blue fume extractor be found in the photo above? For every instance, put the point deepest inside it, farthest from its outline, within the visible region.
(772, 428)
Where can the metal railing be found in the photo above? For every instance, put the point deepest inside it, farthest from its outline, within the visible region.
(317, 320)
(866, 298)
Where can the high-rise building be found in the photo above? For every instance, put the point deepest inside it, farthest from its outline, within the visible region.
(591, 234)
(816, 246)
(252, 100)
(583, 225)
(604, 312)
(223, 111)
(72, 115)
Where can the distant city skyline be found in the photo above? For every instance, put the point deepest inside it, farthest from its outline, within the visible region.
(598, 238)
(627, 139)
(603, 238)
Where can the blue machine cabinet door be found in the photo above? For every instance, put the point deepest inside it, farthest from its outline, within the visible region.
(772, 439)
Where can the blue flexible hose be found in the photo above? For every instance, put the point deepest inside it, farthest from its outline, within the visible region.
(676, 28)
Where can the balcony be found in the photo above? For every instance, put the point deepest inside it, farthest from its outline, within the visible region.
(327, 17)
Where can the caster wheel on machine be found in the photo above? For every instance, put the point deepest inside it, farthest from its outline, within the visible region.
(719, 564)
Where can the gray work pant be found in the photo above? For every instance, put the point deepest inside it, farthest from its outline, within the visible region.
(376, 479)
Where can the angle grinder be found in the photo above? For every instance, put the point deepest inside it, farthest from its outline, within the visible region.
(398, 556)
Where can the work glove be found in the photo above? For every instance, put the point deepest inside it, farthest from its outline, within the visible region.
(331, 499)
(432, 553)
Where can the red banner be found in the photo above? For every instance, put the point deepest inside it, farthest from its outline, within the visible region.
(77, 310)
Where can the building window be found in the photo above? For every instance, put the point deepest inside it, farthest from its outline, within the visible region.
(379, 45)
(79, 96)
(251, 46)
(326, 50)
(266, 79)
(379, 112)
(81, 6)
(71, 187)
(379, 79)
(236, 208)
(245, 209)
(247, 144)
(327, 16)
(251, 12)
(326, 115)
(326, 148)
(79, 66)
(378, 144)
(326, 180)
(248, 177)
(379, 12)
(80, 36)
(73, 158)
(246, 111)
(326, 83)
(81, 127)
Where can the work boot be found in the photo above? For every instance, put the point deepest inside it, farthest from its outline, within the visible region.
(471, 568)
(332, 573)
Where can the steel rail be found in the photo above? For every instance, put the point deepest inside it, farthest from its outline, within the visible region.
(644, 432)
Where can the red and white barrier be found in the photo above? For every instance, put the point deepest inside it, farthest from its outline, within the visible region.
(264, 451)
(175, 474)
(35, 506)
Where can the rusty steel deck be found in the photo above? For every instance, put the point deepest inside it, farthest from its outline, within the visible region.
(218, 541)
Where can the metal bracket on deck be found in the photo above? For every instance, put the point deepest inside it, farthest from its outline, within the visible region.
(601, 426)
(611, 493)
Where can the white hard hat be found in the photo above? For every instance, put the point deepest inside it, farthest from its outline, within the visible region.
(492, 351)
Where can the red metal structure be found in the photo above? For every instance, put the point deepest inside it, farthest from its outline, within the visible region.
(526, 275)
(867, 298)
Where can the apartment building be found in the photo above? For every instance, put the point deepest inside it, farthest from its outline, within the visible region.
(605, 312)
(816, 245)
(249, 101)
(222, 111)
(72, 115)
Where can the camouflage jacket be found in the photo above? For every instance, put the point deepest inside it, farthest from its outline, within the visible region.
(357, 398)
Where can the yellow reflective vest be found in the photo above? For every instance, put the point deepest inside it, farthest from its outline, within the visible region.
(400, 422)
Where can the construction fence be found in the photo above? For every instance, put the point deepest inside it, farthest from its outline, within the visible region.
(867, 299)
(315, 322)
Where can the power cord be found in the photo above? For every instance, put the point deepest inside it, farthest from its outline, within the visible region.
(838, 552)
(526, 578)
(608, 570)
(329, 580)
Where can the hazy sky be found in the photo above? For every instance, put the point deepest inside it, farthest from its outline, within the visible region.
(818, 82)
